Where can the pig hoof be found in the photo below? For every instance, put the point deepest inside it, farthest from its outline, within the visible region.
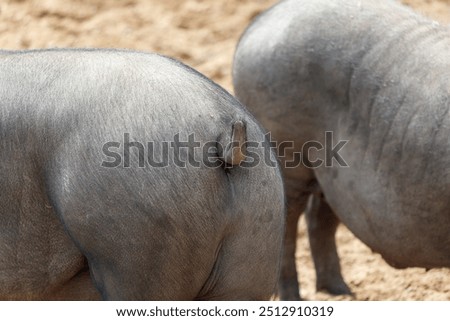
(289, 291)
(339, 288)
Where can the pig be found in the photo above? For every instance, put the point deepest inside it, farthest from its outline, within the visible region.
(376, 75)
(82, 218)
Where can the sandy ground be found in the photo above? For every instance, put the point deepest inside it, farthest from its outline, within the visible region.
(203, 34)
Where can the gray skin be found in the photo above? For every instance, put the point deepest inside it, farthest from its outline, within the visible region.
(73, 229)
(376, 74)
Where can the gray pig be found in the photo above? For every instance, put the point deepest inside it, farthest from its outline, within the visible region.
(76, 225)
(378, 75)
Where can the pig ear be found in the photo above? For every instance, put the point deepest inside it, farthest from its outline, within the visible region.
(234, 146)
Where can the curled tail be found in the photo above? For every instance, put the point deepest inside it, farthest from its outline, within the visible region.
(232, 147)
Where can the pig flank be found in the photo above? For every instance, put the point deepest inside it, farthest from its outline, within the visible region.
(73, 229)
(378, 75)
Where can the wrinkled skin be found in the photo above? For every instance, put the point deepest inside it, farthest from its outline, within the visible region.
(378, 75)
(72, 229)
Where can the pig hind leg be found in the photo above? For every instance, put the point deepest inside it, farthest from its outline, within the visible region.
(132, 257)
(289, 289)
(322, 224)
(245, 269)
